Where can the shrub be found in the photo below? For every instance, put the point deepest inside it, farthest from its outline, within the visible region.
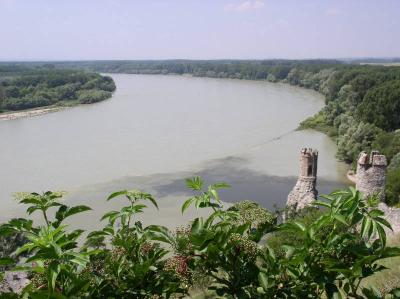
(92, 96)
(323, 253)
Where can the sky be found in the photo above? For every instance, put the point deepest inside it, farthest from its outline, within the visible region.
(202, 29)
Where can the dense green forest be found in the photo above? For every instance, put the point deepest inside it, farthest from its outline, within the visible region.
(240, 252)
(362, 101)
(24, 87)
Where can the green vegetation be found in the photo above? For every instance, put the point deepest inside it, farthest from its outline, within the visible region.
(23, 87)
(240, 252)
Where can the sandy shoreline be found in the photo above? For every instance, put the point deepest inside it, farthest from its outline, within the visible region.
(28, 113)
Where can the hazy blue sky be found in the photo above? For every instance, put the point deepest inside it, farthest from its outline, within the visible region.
(203, 29)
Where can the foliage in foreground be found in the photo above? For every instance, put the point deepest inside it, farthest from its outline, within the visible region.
(239, 252)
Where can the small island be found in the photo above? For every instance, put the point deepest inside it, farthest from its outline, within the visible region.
(35, 90)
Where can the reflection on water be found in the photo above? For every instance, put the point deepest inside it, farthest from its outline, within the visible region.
(246, 184)
(170, 191)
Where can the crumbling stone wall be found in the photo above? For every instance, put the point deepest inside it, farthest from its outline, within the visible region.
(305, 192)
(371, 179)
(371, 174)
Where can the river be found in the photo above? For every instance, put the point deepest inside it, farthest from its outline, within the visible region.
(157, 130)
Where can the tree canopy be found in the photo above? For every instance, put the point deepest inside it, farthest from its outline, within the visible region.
(23, 87)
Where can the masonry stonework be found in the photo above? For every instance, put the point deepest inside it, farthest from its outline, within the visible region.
(305, 192)
(371, 179)
(371, 174)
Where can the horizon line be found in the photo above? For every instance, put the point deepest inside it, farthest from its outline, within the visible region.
(204, 59)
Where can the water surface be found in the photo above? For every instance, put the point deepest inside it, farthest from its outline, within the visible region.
(157, 130)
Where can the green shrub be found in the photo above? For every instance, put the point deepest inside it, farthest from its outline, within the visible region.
(325, 253)
(92, 96)
(393, 186)
(38, 87)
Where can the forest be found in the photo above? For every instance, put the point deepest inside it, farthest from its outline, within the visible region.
(24, 87)
(362, 101)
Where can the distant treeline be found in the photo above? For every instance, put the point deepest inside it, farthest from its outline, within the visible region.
(362, 101)
(27, 86)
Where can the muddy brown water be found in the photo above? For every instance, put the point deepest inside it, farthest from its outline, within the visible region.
(157, 130)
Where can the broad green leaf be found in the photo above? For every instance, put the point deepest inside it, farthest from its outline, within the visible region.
(5, 261)
(187, 204)
(260, 290)
(299, 225)
(220, 185)
(152, 199)
(159, 233)
(53, 271)
(118, 193)
(376, 213)
(340, 218)
(109, 214)
(78, 258)
(365, 226)
(25, 248)
(97, 234)
(371, 293)
(321, 203)
(396, 292)
(77, 209)
(382, 234)
(263, 280)
(289, 251)
(197, 225)
(195, 183)
(390, 252)
(214, 194)
(384, 222)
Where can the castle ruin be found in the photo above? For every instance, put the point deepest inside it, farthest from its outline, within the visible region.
(371, 174)
(305, 192)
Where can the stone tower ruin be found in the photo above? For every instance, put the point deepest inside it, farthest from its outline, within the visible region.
(305, 192)
(371, 174)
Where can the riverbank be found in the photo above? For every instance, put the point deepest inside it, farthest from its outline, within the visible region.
(33, 91)
(12, 115)
(28, 113)
(351, 176)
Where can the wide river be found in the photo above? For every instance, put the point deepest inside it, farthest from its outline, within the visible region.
(157, 130)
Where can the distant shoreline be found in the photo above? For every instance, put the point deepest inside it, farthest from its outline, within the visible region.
(38, 111)
(28, 113)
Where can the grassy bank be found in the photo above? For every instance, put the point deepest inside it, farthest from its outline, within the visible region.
(318, 122)
(389, 278)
